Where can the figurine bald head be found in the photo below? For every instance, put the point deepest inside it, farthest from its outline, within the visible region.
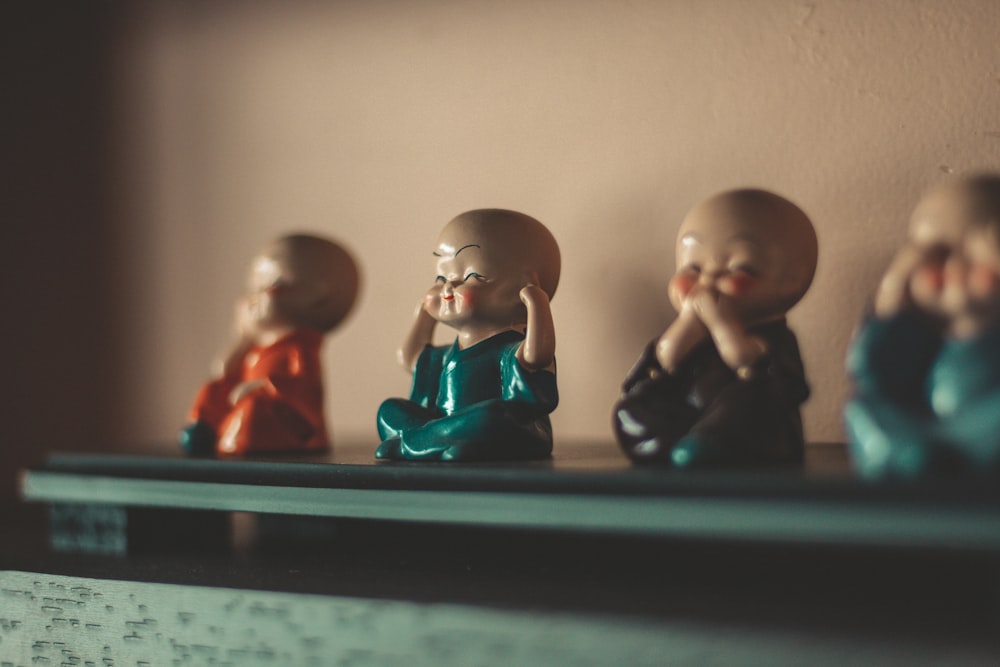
(947, 212)
(484, 258)
(301, 280)
(753, 246)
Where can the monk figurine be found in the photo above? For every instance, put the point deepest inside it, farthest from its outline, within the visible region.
(267, 396)
(722, 386)
(488, 395)
(926, 363)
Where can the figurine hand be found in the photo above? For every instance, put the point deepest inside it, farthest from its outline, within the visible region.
(719, 315)
(710, 305)
(231, 366)
(534, 296)
(245, 317)
(531, 294)
(244, 388)
(982, 311)
(683, 334)
(895, 291)
(714, 309)
(538, 351)
(431, 303)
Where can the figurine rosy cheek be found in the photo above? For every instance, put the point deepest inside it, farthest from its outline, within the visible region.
(722, 386)
(681, 285)
(737, 284)
(983, 282)
(268, 395)
(488, 395)
(926, 365)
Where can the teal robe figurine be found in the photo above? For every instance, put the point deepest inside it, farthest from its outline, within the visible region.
(924, 405)
(926, 363)
(472, 404)
(488, 395)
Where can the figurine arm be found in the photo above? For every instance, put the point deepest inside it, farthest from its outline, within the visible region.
(538, 351)
(244, 388)
(290, 375)
(231, 366)
(419, 337)
(894, 291)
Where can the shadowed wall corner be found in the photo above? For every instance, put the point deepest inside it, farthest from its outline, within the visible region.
(59, 330)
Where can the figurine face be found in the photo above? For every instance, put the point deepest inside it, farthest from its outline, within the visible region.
(954, 231)
(734, 264)
(758, 253)
(478, 280)
(276, 293)
(299, 281)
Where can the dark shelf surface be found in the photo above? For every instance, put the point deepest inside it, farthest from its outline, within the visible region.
(585, 488)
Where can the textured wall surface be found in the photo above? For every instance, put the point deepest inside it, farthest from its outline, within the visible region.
(378, 122)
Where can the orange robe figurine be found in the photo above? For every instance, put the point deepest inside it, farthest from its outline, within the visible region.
(268, 397)
(285, 414)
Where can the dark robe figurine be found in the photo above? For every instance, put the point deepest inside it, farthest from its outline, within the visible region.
(704, 409)
(722, 386)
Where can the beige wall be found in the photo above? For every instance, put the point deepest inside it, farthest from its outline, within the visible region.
(375, 122)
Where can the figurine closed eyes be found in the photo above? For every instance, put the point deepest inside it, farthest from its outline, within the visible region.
(268, 395)
(926, 365)
(722, 386)
(488, 395)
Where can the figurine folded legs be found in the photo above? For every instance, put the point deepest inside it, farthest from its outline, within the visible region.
(926, 364)
(268, 396)
(722, 386)
(488, 395)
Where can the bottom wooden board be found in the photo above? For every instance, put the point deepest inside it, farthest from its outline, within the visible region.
(58, 620)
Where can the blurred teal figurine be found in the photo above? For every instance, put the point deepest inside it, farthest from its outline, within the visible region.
(926, 364)
(488, 395)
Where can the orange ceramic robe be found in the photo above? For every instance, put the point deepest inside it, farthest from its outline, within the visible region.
(285, 415)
